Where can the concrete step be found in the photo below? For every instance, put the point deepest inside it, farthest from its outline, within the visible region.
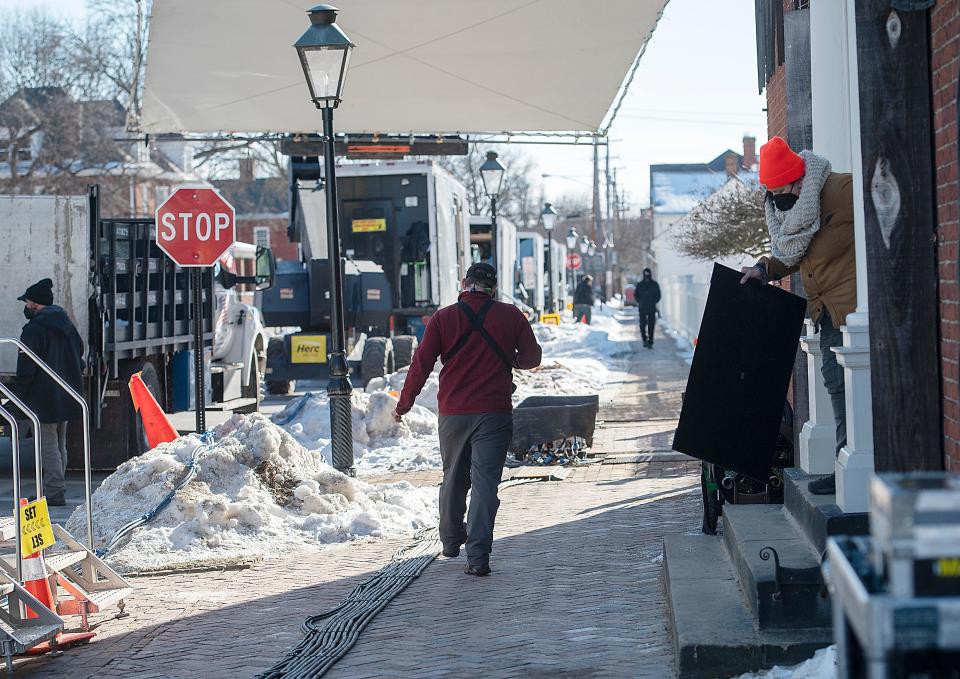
(713, 630)
(818, 515)
(800, 601)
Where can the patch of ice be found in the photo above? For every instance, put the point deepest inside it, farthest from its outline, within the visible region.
(257, 493)
(823, 665)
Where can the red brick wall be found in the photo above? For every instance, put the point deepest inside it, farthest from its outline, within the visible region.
(777, 104)
(283, 249)
(945, 65)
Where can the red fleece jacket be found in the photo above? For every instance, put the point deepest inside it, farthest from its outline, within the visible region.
(475, 379)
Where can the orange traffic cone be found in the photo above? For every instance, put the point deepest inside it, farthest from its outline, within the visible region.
(583, 318)
(36, 582)
(35, 578)
(155, 423)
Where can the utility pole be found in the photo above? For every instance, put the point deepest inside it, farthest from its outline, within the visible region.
(597, 228)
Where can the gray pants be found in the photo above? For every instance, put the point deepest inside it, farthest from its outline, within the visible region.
(53, 451)
(473, 449)
(581, 310)
(833, 376)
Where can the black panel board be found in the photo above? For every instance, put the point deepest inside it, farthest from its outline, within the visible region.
(740, 372)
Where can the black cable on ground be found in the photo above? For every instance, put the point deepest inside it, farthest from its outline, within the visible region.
(330, 636)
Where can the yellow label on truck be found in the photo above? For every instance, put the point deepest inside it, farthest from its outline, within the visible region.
(35, 531)
(308, 349)
(369, 225)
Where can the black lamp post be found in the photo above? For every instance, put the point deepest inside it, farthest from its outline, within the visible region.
(549, 218)
(572, 238)
(491, 174)
(324, 52)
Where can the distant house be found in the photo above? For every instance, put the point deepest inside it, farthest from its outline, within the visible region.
(675, 189)
(51, 143)
(262, 210)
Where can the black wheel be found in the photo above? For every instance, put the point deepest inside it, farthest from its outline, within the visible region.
(279, 387)
(377, 359)
(711, 501)
(254, 387)
(403, 348)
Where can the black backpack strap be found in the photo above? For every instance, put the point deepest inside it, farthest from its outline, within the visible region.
(476, 325)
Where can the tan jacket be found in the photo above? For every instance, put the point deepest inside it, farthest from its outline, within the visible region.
(828, 268)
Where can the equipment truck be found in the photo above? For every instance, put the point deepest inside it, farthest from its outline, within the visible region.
(405, 236)
(131, 306)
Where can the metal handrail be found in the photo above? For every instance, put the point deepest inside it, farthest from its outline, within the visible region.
(17, 401)
(15, 449)
(87, 477)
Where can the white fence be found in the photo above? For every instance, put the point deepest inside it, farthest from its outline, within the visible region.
(682, 305)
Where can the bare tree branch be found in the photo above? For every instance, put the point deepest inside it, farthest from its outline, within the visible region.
(728, 223)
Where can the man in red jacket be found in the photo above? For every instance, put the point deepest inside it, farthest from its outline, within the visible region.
(480, 342)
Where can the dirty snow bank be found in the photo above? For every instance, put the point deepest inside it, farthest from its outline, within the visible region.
(575, 358)
(258, 493)
(823, 665)
(379, 443)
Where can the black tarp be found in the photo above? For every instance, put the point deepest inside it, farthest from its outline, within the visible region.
(740, 373)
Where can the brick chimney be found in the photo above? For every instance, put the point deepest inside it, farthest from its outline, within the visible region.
(731, 162)
(246, 169)
(749, 151)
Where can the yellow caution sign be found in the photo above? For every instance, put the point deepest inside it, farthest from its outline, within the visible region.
(550, 319)
(308, 349)
(369, 225)
(36, 532)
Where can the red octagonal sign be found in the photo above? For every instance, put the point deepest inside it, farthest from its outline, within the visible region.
(195, 226)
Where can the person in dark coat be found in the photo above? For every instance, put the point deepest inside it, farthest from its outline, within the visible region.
(51, 335)
(647, 295)
(583, 299)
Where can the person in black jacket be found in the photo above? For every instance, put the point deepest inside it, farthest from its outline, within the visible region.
(51, 335)
(583, 300)
(647, 294)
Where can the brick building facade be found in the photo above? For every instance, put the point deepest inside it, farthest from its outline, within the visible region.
(945, 69)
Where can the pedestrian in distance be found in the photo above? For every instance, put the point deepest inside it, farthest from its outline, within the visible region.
(583, 299)
(647, 295)
(480, 341)
(809, 212)
(51, 335)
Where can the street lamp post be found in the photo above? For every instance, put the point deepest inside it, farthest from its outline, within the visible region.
(549, 218)
(324, 51)
(572, 238)
(491, 174)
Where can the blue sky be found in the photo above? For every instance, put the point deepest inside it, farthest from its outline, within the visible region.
(694, 96)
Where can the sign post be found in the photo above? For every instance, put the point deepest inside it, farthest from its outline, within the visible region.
(195, 226)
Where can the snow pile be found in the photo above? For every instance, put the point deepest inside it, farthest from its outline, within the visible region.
(257, 493)
(823, 665)
(379, 443)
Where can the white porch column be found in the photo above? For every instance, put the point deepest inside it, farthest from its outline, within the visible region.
(836, 135)
(855, 463)
(818, 439)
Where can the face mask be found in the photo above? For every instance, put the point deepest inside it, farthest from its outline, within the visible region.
(29, 313)
(784, 201)
(647, 276)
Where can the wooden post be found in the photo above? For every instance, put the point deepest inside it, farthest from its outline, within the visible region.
(895, 110)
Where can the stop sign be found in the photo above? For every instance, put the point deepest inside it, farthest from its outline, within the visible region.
(195, 226)
(573, 260)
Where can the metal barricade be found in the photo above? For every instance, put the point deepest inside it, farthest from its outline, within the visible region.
(15, 450)
(87, 476)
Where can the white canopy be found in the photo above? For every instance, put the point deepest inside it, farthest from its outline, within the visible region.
(426, 66)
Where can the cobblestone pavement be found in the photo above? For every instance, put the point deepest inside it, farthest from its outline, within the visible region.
(576, 589)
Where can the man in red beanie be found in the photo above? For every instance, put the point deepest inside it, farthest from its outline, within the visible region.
(809, 212)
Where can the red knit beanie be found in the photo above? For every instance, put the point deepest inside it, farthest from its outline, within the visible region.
(779, 165)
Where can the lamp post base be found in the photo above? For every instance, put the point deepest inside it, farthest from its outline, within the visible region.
(339, 391)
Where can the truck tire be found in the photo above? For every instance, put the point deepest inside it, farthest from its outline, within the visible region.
(279, 387)
(137, 443)
(254, 388)
(403, 348)
(377, 359)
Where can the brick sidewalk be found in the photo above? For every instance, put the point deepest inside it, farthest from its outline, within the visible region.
(576, 590)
